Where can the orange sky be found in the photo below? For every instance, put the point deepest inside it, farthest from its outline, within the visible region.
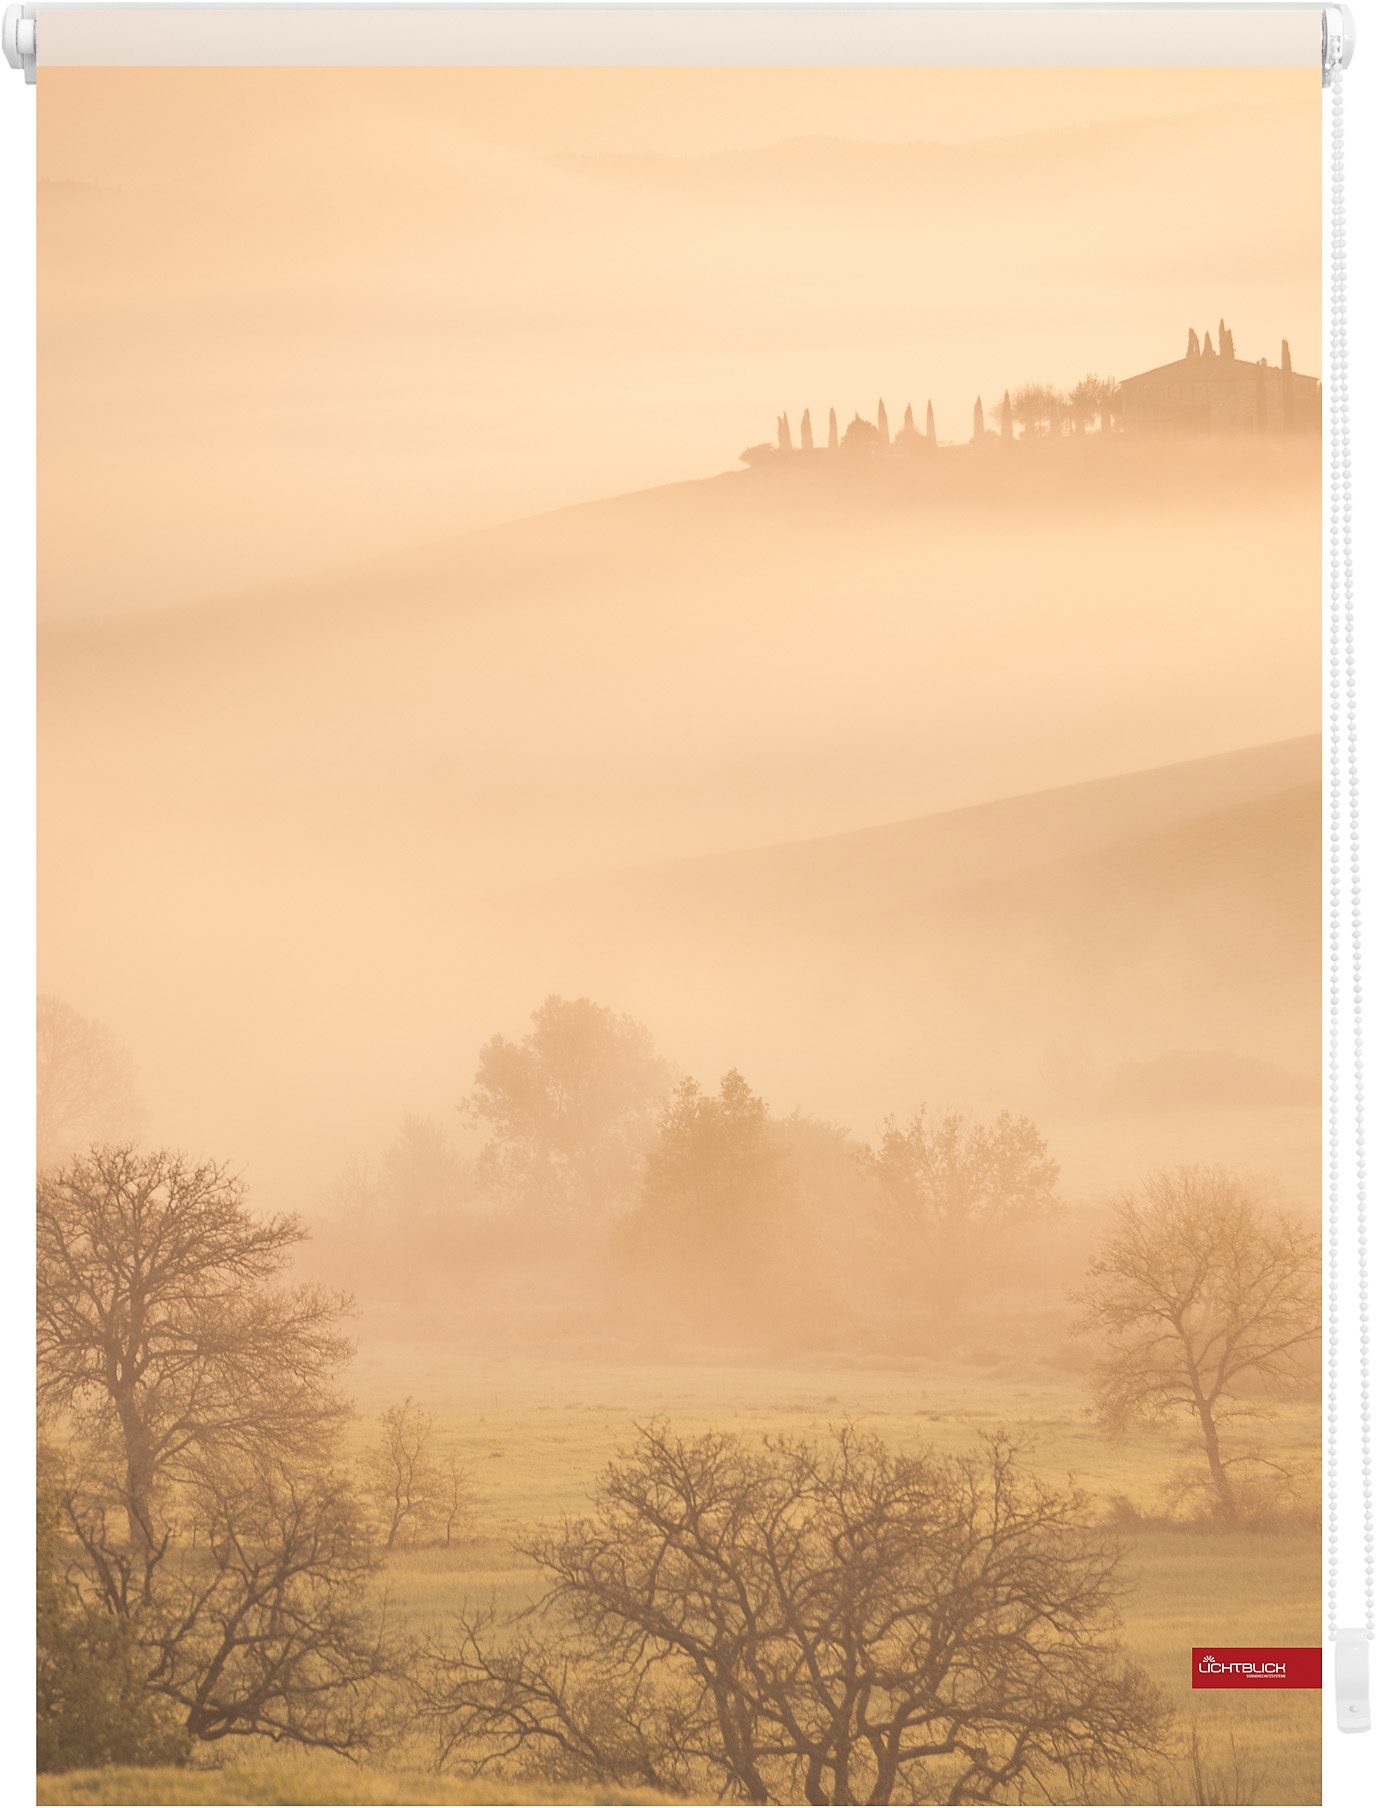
(294, 318)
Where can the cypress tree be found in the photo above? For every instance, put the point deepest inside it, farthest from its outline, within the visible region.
(1192, 349)
(785, 437)
(833, 437)
(908, 426)
(1006, 416)
(1208, 345)
(931, 426)
(979, 418)
(807, 429)
(1287, 388)
(883, 423)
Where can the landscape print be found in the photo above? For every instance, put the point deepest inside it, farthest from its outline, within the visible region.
(679, 1072)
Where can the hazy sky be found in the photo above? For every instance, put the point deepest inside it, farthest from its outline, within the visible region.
(291, 318)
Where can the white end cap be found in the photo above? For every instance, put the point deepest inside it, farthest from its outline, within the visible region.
(19, 35)
(1339, 39)
(1352, 1679)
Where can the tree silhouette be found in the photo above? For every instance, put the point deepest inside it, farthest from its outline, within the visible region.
(883, 423)
(979, 419)
(403, 1476)
(952, 1187)
(1192, 348)
(806, 430)
(262, 1624)
(1084, 401)
(785, 437)
(93, 1705)
(832, 439)
(931, 426)
(423, 1178)
(87, 1089)
(1093, 396)
(716, 1197)
(860, 436)
(1006, 418)
(164, 1331)
(1034, 406)
(794, 1622)
(1200, 1297)
(569, 1109)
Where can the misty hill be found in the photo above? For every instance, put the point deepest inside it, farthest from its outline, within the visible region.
(576, 299)
(301, 805)
(1158, 914)
(683, 536)
(760, 657)
(928, 175)
(959, 851)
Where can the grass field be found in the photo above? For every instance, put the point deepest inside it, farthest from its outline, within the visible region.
(297, 1780)
(536, 1434)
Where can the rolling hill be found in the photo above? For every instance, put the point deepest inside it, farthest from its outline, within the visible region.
(1133, 918)
(316, 845)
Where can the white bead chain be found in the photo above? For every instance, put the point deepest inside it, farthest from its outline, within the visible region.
(1344, 873)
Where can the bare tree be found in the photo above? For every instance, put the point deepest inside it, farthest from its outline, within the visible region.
(405, 1480)
(93, 1707)
(790, 1623)
(1198, 1295)
(164, 1329)
(1212, 1779)
(455, 1494)
(263, 1624)
(87, 1090)
(953, 1192)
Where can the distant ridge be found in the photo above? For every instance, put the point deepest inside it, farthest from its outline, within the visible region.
(722, 525)
(1170, 910)
(963, 845)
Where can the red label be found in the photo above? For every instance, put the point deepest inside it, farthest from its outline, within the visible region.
(1256, 1667)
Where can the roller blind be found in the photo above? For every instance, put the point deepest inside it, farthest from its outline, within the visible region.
(686, 1067)
(75, 36)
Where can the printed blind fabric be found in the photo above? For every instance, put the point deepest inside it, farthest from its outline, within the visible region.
(680, 679)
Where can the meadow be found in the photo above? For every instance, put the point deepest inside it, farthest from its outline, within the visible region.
(535, 1434)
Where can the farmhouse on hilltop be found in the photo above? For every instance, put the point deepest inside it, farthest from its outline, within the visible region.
(1212, 390)
(1208, 391)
